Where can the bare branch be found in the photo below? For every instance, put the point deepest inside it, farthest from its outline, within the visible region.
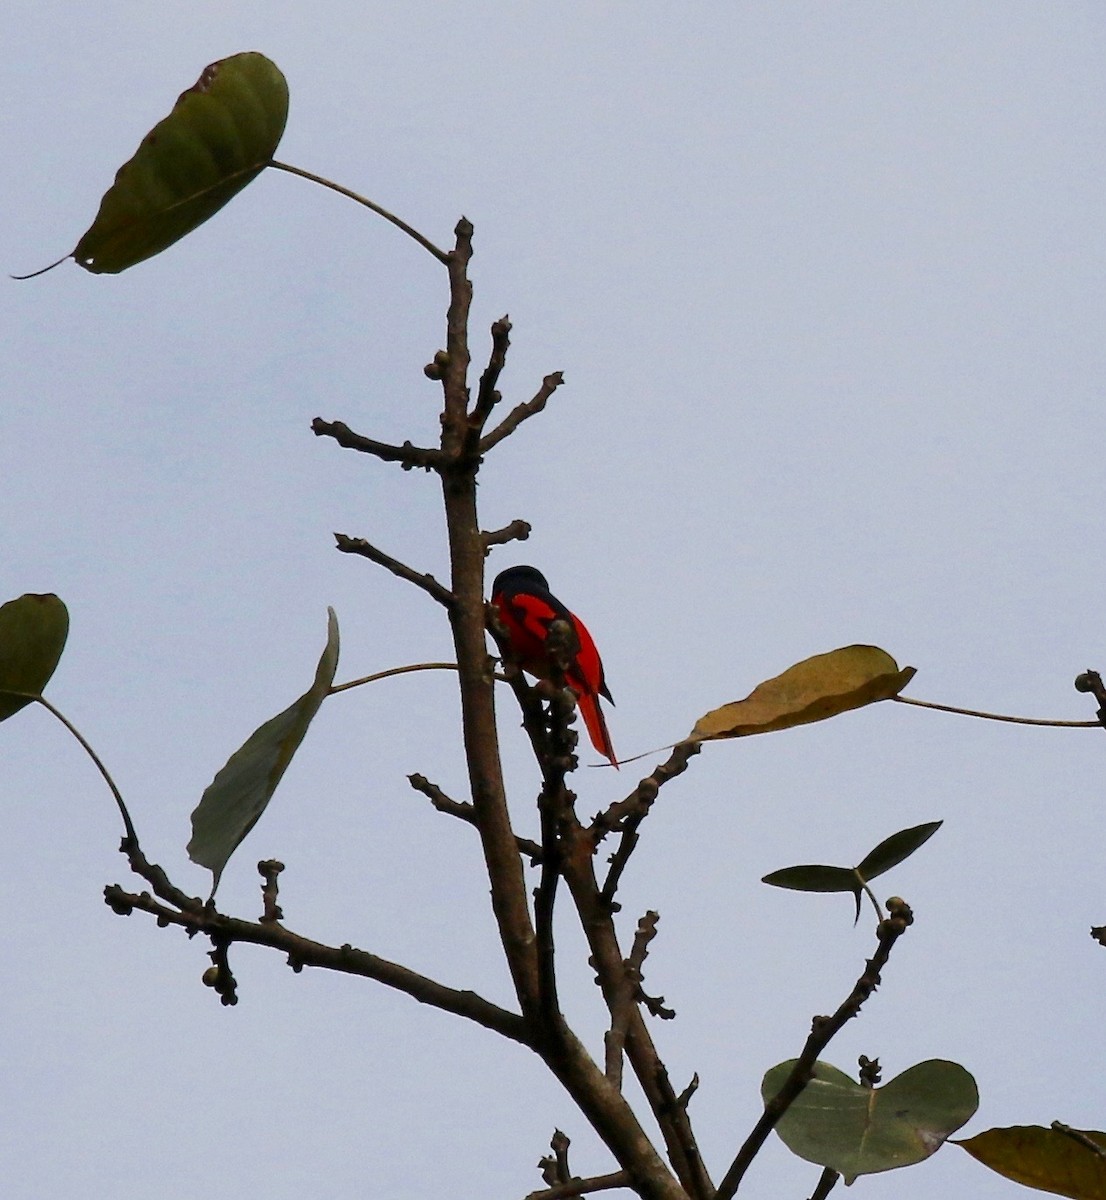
(554, 1167)
(523, 412)
(468, 622)
(486, 396)
(352, 545)
(583, 1187)
(464, 811)
(626, 815)
(517, 531)
(408, 455)
(303, 952)
(823, 1029)
(606, 956)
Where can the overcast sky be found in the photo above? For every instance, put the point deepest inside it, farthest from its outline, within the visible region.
(826, 283)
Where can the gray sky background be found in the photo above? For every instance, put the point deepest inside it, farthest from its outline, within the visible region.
(826, 283)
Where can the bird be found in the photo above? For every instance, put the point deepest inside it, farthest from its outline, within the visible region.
(527, 609)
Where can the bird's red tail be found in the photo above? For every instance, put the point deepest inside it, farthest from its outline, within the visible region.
(596, 725)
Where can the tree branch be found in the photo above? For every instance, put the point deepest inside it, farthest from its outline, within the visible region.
(517, 531)
(352, 545)
(523, 412)
(486, 396)
(408, 455)
(598, 926)
(583, 1187)
(467, 623)
(465, 812)
(823, 1029)
(627, 815)
(303, 952)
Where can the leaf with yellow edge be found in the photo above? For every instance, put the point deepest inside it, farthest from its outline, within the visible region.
(812, 690)
(1050, 1160)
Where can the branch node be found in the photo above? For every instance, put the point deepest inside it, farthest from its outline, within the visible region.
(684, 1098)
(269, 869)
(219, 976)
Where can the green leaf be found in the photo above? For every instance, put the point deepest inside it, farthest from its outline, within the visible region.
(33, 630)
(837, 1123)
(818, 877)
(812, 690)
(238, 795)
(895, 849)
(1049, 1160)
(814, 878)
(221, 134)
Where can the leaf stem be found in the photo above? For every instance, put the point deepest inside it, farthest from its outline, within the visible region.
(431, 666)
(128, 824)
(424, 242)
(989, 716)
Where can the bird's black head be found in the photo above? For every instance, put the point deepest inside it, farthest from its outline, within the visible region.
(519, 579)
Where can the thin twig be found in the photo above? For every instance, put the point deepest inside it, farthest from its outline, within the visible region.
(990, 716)
(523, 412)
(464, 811)
(409, 455)
(583, 1187)
(486, 395)
(424, 242)
(627, 815)
(823, 1029)
(352, 545)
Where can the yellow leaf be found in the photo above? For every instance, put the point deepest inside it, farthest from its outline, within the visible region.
(1046, 1159)
(811, 690)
